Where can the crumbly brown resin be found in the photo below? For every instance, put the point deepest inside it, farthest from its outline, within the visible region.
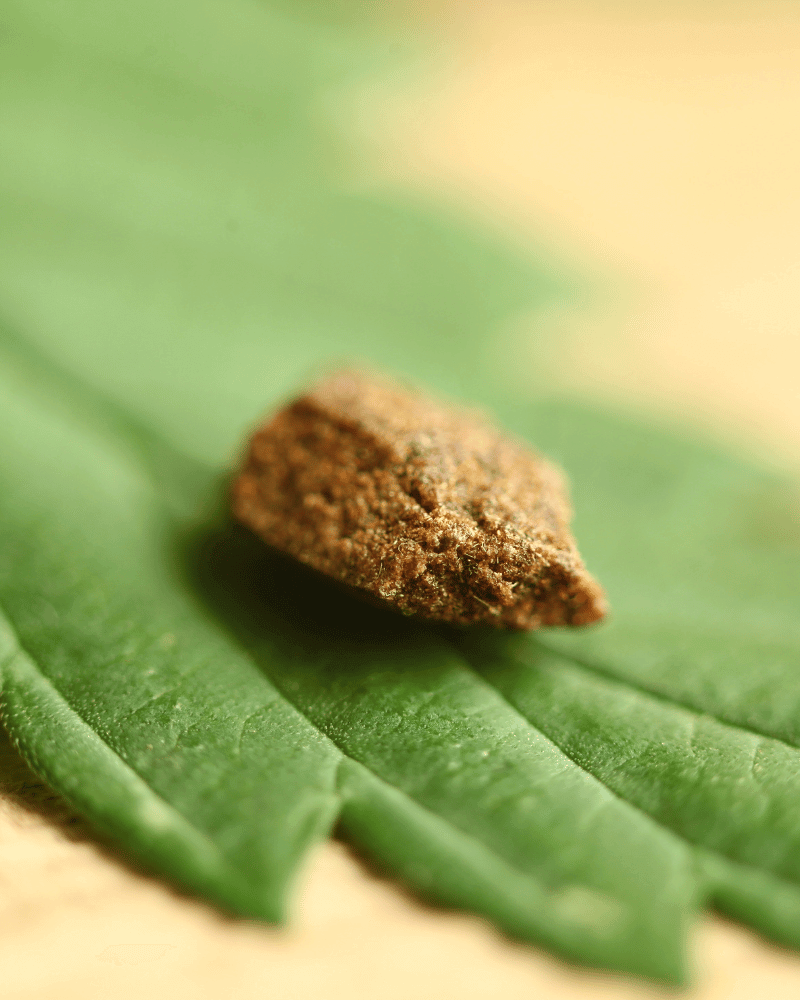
(421, 505)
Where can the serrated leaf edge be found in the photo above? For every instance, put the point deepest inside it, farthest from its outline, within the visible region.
(158, 828)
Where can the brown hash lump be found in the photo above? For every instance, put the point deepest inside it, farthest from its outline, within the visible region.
(421, 505)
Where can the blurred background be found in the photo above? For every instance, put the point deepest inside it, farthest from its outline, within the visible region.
(657, 148)
(199, 204)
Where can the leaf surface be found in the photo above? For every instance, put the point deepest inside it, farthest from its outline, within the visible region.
(176, 253)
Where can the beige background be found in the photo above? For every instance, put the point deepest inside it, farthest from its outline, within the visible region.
(660, 144)
(663, 148)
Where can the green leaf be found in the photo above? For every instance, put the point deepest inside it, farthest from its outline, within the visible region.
(176, 253)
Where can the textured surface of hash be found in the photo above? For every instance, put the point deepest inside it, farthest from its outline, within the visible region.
(424, 506)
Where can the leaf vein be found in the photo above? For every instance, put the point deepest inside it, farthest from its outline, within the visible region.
(32, 757)
(693, 845)
(608, 674)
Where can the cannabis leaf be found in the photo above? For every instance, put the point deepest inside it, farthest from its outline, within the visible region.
(175, 254)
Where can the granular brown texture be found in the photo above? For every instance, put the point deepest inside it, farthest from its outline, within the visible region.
(422, 505)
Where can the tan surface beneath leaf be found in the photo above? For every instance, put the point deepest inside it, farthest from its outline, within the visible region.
(666, 147)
